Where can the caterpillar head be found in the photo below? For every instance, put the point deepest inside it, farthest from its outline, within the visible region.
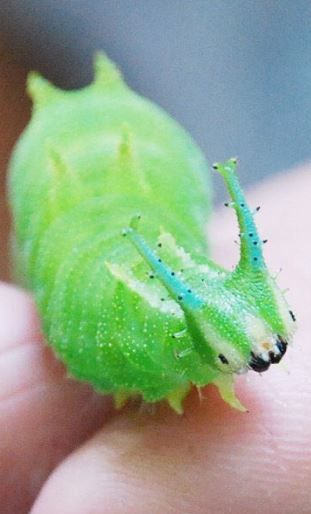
(237, 320)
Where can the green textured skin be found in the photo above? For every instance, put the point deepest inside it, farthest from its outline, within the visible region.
(88, 161)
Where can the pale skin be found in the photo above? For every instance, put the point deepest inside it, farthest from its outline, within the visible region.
(64, 450)
(212, 459)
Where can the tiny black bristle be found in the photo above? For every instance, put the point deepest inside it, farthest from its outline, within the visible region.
(292, 315)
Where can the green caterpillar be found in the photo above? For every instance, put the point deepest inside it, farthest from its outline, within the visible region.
(135, 307)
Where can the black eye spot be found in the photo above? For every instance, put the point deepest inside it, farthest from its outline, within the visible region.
(172, 273)
(180, 297)
(255, 258)
(223, 359)
(292, 315)
(159, 245)
(242, 204)
(250, 234)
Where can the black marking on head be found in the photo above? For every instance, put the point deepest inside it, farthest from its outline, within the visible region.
(257, 208)
(282, 347)
(151, 275)
(265, 241)
(258, 364)
(255, 243)
(189, 291)
(251, 234)
(223, 359)
(172, 273)
(180, 297)
(281, 344)
(226, 204)
(292, 315)
(159, 245)
(242, 205)
(159, 260)
(255, 259)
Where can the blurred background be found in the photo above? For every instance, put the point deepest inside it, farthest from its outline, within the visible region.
(236, 74)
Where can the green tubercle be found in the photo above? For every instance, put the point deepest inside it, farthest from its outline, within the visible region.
(41, 91)
(107, 74)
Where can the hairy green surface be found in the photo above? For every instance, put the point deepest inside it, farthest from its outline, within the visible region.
(135, 308)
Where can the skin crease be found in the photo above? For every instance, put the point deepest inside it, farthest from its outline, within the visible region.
(210, 460)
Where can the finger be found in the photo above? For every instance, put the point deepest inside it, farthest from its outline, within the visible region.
(212, 459)
(43, 414)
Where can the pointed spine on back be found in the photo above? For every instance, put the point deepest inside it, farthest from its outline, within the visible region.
(41, 91)
(107, 74)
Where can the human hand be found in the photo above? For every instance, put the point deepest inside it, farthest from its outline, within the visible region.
(57, 434)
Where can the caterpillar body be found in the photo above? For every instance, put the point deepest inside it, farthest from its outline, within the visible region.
(110, 198)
